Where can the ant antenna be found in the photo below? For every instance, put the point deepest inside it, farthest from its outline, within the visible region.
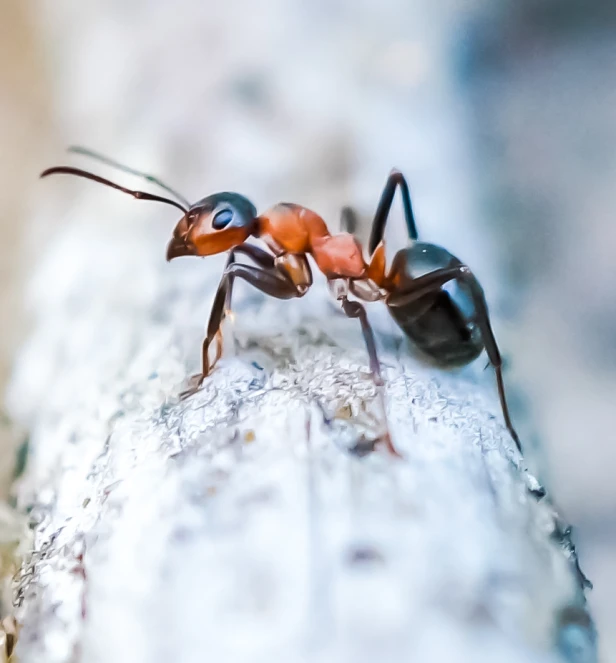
(142, 195)
(76, 149)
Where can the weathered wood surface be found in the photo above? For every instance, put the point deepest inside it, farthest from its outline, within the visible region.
(234, 526)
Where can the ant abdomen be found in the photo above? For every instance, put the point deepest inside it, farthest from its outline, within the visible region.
(441, 323)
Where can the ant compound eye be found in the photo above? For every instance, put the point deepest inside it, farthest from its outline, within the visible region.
(222, 219)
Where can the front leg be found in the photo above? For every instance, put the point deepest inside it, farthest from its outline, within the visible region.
(273, 280)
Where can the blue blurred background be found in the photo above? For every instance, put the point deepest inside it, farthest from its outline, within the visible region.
(501, 113)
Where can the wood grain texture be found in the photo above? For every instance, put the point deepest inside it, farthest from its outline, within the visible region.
(235, 525)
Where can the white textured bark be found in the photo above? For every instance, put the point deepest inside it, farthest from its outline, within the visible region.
(233, 525)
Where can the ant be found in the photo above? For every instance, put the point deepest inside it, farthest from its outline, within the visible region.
(446, 332)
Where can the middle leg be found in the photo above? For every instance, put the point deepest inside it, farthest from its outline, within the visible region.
(348, 220)
(260, 257)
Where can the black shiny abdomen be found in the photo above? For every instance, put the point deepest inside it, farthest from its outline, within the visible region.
(440, 324)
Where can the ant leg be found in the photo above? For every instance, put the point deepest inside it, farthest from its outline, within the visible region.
(435, 280)
(75, 149)
(396, 178)
(294, 267)
(257, 255)
(356, 310)
(348, 220)
(273, 281)
(222, 304)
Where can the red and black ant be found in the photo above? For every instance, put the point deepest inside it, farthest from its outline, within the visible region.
(450, 331)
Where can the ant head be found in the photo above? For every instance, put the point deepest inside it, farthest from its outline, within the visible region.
(213, 225)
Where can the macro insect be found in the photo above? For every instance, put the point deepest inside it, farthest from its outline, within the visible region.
(433, 297)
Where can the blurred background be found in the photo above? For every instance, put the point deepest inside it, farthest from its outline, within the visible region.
(500, 113)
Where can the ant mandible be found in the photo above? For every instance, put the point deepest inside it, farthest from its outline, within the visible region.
(435, 322)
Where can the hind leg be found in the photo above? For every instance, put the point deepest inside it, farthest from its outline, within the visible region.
(434, 281)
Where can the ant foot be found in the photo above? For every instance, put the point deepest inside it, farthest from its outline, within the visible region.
(195, 382)
(365, 446)
(389, 445)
